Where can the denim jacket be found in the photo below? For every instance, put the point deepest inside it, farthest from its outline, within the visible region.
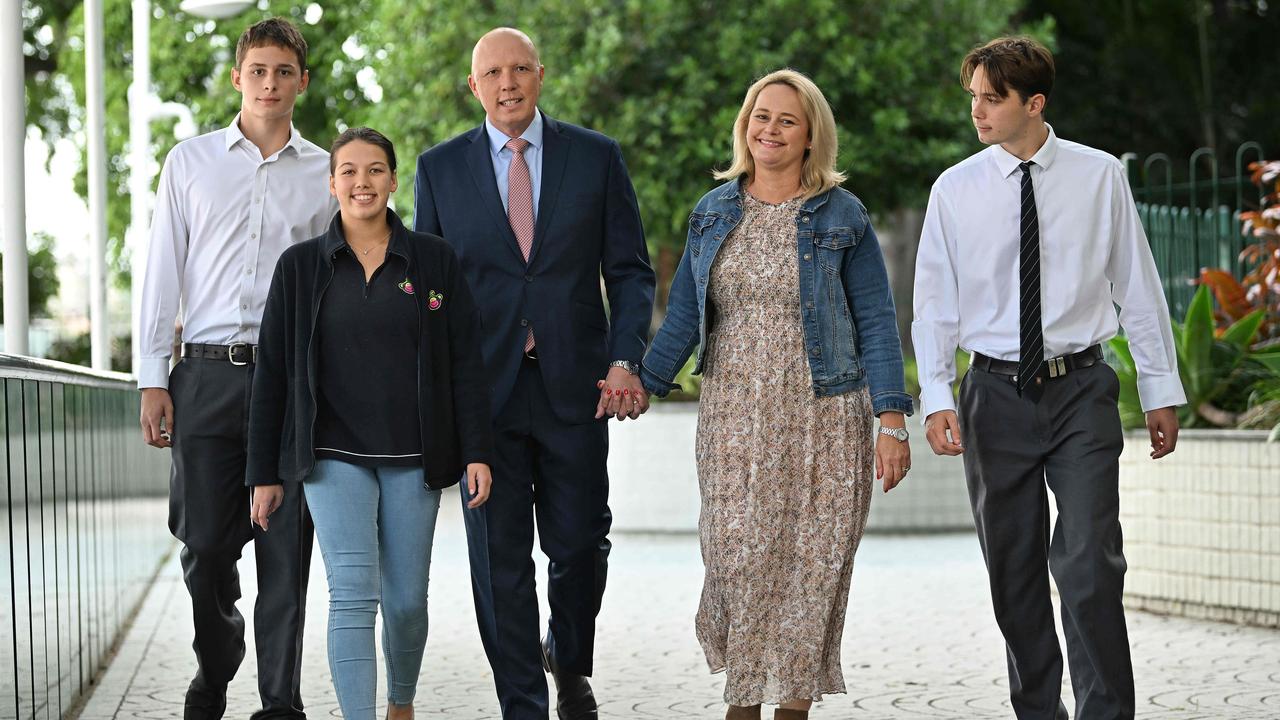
(850, 328)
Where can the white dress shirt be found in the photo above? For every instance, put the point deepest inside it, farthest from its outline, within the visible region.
(500, 154)
(223, 216)
(1093, 252)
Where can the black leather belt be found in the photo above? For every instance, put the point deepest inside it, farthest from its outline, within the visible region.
(1052, 368)
(235, 353)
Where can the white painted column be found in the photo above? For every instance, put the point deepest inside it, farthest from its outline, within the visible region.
(139, 162)
(96, 140)
(13, 197)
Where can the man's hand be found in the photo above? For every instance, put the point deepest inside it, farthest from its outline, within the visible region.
(266, 500)
(1162, 423)
(157, 408)
(621, 395)
(942, 430)
(479, 481)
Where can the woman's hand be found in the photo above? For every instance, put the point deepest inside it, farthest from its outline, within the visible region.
(893, 457)
(479, 480)
(266, 500)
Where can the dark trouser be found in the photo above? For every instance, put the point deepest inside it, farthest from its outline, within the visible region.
(557, 471)
(1071, 439)
(209, 513)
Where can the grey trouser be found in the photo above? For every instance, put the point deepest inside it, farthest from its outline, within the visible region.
(1071, 440)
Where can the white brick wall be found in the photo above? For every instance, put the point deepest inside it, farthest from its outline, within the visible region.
(1202, 526)
(653, 480)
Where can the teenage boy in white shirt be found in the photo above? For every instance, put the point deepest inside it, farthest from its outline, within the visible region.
(1039, 406)
(229, 202)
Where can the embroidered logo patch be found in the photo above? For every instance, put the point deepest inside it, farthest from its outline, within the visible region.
(434, 300)
(406, 286)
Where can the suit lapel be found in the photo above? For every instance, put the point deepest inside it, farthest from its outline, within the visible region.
(481, 164)
(555, 154)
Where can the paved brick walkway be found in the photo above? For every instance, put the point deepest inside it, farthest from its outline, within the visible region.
(920, 643)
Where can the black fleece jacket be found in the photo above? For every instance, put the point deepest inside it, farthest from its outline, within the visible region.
(453, 396)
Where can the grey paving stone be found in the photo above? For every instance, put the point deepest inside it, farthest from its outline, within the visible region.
(920, 643)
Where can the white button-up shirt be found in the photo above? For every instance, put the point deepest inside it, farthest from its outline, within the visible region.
(223, 216)
(1093, 252)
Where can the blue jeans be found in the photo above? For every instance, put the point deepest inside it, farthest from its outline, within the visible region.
(375, 528)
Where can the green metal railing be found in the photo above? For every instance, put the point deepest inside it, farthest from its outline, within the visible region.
(1189, 224)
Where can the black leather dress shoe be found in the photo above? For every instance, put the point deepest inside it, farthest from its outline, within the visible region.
(574, 699)
(203, 702)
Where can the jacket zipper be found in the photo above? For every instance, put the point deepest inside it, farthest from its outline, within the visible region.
(417, 377)
(311, 368)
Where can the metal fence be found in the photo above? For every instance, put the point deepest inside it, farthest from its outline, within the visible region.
(1194, 223)
(84, 524)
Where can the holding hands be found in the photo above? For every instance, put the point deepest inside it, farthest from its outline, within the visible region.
(621, 395)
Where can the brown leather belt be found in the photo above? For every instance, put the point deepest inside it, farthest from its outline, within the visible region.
(235, 353)
(1052, 368)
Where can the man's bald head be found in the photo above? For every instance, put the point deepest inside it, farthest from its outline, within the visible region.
(506, 77)
(503, 36)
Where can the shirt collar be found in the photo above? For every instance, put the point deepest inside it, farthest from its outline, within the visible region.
(498, 139)
(234, 135)
(1008, 163)
(335, 240)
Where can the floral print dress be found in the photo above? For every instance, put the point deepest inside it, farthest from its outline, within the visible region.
(785, 478)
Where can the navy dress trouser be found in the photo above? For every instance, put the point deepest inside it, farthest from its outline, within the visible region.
(554, 472)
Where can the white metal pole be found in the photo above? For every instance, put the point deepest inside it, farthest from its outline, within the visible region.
(139, 163)
(13, 200)
(95, 112)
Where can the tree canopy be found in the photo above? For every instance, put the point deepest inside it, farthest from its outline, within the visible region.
(663, 77)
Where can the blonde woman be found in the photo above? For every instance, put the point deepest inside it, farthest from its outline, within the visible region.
(782, 289)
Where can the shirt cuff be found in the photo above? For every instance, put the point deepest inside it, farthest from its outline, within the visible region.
(934, 398)
(153, 373)
(1160, 391)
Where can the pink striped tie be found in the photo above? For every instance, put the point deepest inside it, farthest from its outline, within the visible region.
(520, 206)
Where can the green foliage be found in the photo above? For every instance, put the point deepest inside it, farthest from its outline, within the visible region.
(42, 274)
(1164, 76)
(664, 77)
(77, 351)
(1227, 381)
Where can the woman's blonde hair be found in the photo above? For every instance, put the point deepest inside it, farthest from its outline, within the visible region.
(818, 174)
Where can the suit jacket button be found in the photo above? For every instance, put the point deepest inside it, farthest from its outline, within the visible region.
(528, 278)
(524, 322)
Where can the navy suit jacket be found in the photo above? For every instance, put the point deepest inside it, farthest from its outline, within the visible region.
(588, 226)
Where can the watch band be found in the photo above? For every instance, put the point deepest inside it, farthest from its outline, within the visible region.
(627, 365)
(899, 434)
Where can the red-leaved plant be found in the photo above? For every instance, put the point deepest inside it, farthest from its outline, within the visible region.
(1259, 289)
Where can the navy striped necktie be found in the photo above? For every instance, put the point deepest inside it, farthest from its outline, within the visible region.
(1030, 329)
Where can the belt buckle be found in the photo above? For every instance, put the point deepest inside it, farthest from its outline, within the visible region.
(231, 353)
(1057, 367)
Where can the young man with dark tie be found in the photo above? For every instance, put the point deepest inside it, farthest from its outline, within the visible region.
(1026, 246)
(229, 202)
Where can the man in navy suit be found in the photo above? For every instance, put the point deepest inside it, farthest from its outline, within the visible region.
(538, 211)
